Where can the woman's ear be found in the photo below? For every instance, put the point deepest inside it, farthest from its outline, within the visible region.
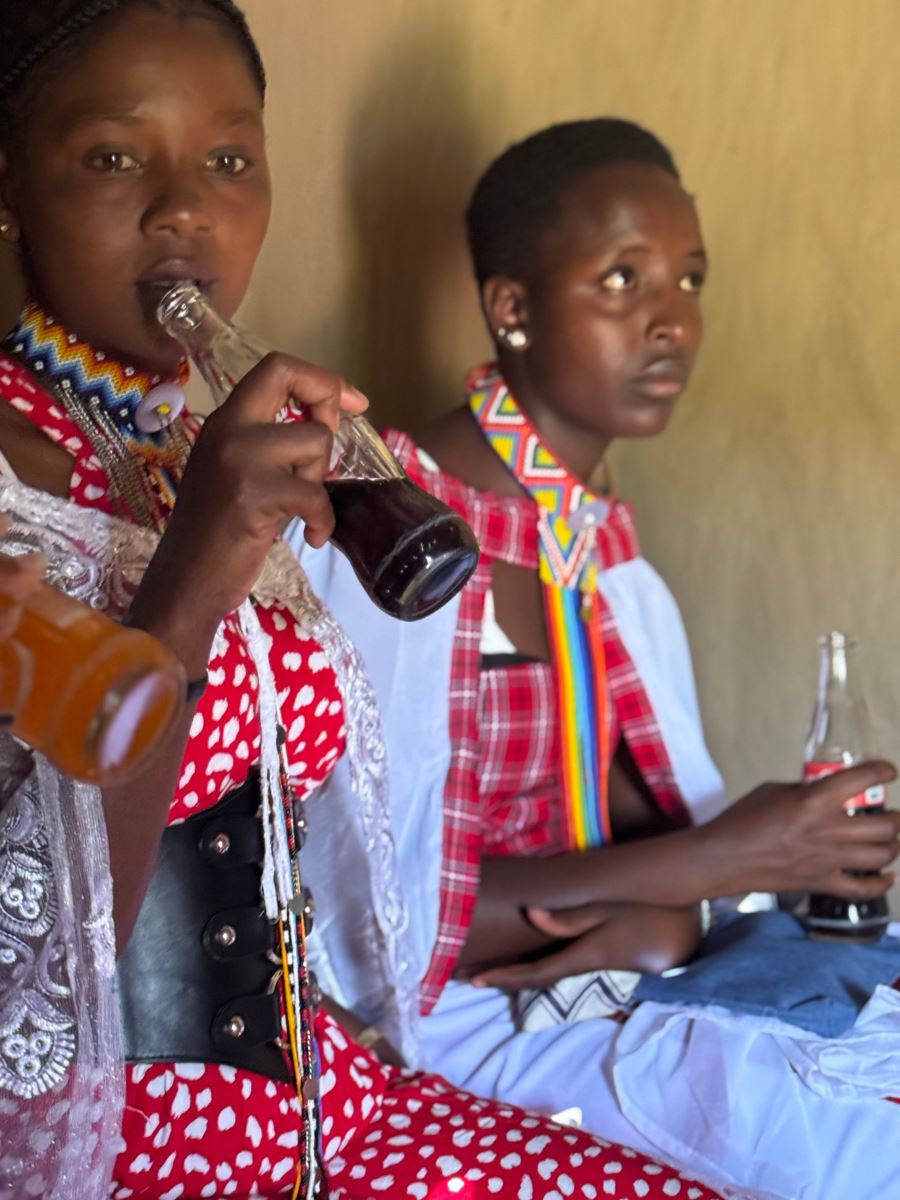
(9, 223)
(505, 305)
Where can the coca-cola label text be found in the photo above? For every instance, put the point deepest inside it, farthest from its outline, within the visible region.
(872, 797)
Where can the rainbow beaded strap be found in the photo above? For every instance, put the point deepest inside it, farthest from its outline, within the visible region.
(568, 517)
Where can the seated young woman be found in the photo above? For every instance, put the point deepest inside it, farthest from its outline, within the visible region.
(591, 263)
(584, 821)
(132, 155)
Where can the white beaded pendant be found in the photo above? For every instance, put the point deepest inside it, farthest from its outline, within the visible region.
(159, 408)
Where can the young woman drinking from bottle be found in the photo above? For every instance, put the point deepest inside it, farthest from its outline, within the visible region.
(133, 157)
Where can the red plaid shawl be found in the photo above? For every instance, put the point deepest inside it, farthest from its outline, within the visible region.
(502, 788)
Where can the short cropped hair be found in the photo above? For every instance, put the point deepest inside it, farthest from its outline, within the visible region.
(519, 196)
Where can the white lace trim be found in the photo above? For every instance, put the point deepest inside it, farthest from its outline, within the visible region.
(284, 581)
(96, 558)
(37, 1034)
(61, 1084)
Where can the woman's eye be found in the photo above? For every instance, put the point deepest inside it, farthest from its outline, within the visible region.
(227, 164)
(692, 282)
(619, 279)
(113, 162)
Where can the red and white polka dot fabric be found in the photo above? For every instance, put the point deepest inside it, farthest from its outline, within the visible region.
(413, 1135)
(88, 485)
(215, 1132)
(224, 741)
(198, 1130)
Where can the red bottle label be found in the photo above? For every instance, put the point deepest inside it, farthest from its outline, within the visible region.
(872, 797)
(291, 412)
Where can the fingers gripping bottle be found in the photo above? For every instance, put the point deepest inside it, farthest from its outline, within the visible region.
(409, 551)
(839, 737)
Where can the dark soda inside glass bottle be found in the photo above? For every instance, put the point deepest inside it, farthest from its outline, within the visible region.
(409, 551)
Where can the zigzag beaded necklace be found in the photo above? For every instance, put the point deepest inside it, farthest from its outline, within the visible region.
(568, 518)
(129, 416)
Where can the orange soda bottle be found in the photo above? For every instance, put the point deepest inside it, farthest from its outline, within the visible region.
(94, 696)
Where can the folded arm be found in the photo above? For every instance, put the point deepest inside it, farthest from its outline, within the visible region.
(780, 837)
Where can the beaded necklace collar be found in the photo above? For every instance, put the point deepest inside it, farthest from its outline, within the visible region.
(135, 421)
(571, 523)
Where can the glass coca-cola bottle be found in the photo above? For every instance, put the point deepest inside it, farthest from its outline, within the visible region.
(840, 736)
(409, 551)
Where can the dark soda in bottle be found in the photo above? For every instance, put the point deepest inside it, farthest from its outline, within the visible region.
(410, 552)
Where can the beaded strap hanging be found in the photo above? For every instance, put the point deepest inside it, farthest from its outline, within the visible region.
(288, 905)
(568, 517)
(130, 417)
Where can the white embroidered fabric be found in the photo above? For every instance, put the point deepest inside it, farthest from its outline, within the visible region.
(61, 1078)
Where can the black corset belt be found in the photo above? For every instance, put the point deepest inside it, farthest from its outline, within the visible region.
(198, 980)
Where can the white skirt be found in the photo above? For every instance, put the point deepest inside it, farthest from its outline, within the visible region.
(757, 1106)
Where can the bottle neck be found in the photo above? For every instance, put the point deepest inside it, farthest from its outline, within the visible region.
(224, 354)
(835, 674)
(201, 333)
(833, 668)
(840, 730)
(221, 352)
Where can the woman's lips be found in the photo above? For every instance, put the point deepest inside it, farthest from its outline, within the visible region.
(662, 380)
(167, 272)
(659, 387)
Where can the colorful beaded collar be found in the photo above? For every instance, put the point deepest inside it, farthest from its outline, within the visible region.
(136, 422)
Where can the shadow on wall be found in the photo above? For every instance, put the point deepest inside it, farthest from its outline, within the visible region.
(410, 161)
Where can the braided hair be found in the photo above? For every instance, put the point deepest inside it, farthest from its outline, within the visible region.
(520, 194)
(38, 33)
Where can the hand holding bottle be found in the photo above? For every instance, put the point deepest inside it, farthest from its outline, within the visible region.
(409, 551)
(246, 479)
(840, 735)
(795, 837)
